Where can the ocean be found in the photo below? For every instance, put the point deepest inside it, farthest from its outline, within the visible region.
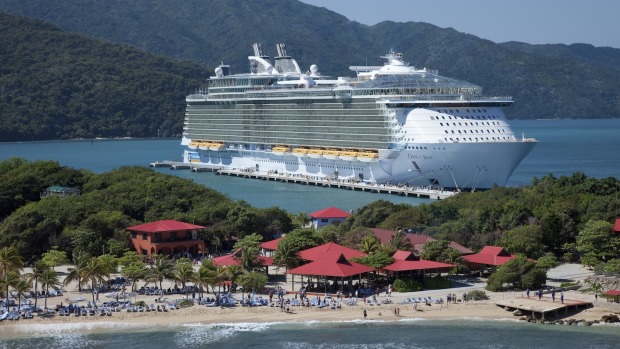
(566, 146)
(418, 334)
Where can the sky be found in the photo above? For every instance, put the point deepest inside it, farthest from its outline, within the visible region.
(595, 22)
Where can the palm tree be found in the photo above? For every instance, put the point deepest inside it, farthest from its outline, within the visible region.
(287, 256)
(77, 274)
(21, 287)
(134, 271)
(38, 267)
(49, 279)
(369, 244)
(10, 279)
(400, 241)
(161, 270)
(10, 261)
(184, 272)
(206, 276)
(95, 272)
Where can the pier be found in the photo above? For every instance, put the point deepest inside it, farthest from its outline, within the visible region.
(421, 192)
(544, 306)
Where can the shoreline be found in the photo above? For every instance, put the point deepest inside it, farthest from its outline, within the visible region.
(267, 316)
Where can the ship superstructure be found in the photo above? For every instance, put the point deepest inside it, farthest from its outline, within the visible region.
(389, 124)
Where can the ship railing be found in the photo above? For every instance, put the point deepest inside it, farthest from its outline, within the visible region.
(411, 98)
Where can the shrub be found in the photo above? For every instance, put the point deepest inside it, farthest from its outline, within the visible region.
(477, 295)
(436, 283)
(406, 285)
(186, 303)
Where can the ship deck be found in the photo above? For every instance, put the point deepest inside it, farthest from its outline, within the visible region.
(420, 192)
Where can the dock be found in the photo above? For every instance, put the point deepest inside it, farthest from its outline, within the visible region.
(543, 306)
(402, 190)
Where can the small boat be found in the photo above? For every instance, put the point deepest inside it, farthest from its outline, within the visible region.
(348, 155)
(367, 156)
(300, 151)
(315, 153)
(331, 154)
(216, 146)
(204, 145)
(194, 145)
(280, 150)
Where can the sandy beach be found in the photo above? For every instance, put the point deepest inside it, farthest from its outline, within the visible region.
(385, 312)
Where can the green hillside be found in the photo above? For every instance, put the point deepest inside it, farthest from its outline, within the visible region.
(75, 86)
(59, 85)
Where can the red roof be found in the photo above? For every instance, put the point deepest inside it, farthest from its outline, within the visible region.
(613, 293)
(330, 212)
(271, 245)
(331, 265)
(417, 240)
(316, 253)
(165, 225)
(617, 226)
(422, 264)
(490, 255)
(235, 259)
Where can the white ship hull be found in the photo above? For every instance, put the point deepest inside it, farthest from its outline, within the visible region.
(453, 165)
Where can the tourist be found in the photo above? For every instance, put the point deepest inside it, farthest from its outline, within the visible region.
(365, 314)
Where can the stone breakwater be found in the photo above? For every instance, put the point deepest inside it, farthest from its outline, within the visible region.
(607, 319)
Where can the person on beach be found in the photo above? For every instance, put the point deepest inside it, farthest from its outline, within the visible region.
(527, 293)
(562, 297)
(553, 296)
(365, 314)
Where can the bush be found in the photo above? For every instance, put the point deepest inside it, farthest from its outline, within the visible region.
(186, 303)
(436, 283)
(477, 295)
(406, 285)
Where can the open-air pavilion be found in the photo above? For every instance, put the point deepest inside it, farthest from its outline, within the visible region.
(270, 246)
(332, 267)
(614, 295)
(235, 259)
(316, 253)
(489, 256)
(406, 264)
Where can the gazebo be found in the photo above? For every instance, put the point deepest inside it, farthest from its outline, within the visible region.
(613, 294)
(316, 253)
(235, 259)
(334, 266)
(407, 262)
(488, 256)
(271, 246)
(167, 237)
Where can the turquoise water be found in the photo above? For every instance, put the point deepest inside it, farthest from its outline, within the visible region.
(419, 334)
(566, 146)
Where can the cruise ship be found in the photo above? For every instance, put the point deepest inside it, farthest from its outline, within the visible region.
(391, 124)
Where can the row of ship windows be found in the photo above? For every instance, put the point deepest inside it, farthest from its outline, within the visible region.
(474, 117)
(476, 139)
(481, 131)
(470, 124)
(309, 164)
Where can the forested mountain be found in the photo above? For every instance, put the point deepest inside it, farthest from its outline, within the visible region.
(57, 85)
(547, 81)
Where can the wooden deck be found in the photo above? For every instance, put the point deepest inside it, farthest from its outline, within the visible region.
(544, 307)
(309, 180)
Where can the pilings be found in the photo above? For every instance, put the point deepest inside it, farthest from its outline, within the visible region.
(421, 192)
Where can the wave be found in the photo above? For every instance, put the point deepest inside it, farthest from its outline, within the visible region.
(200, 334)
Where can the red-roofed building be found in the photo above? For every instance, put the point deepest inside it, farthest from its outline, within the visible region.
(417, 240)
(327, 216)
(167, 237)
(235, 259)
(330, 248)
(332, 266)
(488, 256)
(617, 226)
(406, 261)
(271, 245)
